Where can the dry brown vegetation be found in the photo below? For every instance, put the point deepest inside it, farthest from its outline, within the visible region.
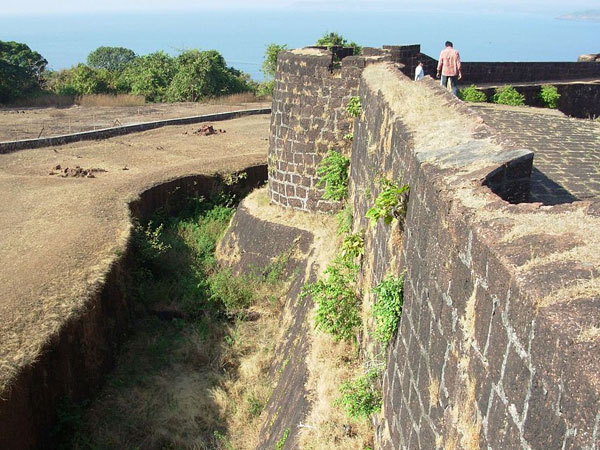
(110, 100)
(327, 425)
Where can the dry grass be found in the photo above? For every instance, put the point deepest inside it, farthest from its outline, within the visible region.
(446, 126)
(255, 347)
(44, 101)
(236, 99)
(327, 426)
(192, 385)
(110, 100)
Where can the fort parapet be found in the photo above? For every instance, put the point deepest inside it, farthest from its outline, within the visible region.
(497, 346)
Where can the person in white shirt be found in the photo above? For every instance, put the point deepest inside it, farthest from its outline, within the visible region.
(419, 72)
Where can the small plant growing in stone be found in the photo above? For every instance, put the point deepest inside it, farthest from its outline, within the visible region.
(349, 136)
(344, 220)
(360, 397)
(281, 442)
(337, 304)
(472, 94)
(388, 307)
(354, 106)
(508, 95)
(353, 245)
(232, 178)
(390, 204)
(333, 173)
(549, 96)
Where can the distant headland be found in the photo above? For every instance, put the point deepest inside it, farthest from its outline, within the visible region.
(591, 15)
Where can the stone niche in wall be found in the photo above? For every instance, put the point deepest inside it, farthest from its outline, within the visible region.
(312, 89)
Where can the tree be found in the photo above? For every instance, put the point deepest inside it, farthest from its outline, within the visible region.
(21, 70)
(201, 74)
(269, 65)
(81, 80)
(148, 75)
(329, 39)
(114, 59)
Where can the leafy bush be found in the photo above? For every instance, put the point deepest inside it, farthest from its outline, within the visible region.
(21, 71)
(354, 107)
(149, 241)
(148, 75)
(353, 245)
(269, 65)
(508, 95)
(388, 307)
(235, 293)
(360, 398)
(390, 203)
(549, 96)
(472, 94)
(333, 172)
(329, 39)
(337, 304)
(344, 220)
(203, 74)
(113, 59)
(81, 80)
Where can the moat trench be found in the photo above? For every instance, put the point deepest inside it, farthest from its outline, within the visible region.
(194, 370)
(154, 362)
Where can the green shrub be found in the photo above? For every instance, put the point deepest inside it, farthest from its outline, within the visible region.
(549, 96)
(149, 241)
(333, 172)
(354, 106)
(281, 442)
(360, 398)
(388, 307)
(344, 220)
(472, 94)
(235, 293)
(390, 203)
(508, 95)
(337, 304)
(353, 245)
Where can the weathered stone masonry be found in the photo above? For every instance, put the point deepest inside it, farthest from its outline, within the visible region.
(492, 350)
(308, 117)
(477, 362)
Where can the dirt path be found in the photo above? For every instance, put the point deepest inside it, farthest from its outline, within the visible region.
(60, 234)
(29, 123)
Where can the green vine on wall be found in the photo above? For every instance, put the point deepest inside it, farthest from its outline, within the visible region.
(390, 204)
(387, 309)
(333, 173)
(360, 396)
(354, 106)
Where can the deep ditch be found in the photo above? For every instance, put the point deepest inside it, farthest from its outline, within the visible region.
(46, 406)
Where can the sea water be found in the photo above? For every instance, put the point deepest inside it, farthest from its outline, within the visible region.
(242, 35)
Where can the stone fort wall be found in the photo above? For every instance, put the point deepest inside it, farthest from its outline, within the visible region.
(496, 72)
(496, 347)
(308, 118)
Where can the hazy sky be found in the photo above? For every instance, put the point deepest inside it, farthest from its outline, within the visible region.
(62, 6)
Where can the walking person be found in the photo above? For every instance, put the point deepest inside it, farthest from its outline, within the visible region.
(449, 67)
(419, 72)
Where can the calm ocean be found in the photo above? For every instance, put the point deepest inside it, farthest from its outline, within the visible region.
(242, 36)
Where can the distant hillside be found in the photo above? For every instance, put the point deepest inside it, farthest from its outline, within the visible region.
(591, 15)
